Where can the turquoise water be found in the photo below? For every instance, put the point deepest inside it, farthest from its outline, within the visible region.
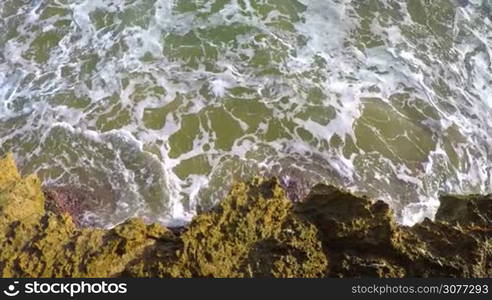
(157, 106)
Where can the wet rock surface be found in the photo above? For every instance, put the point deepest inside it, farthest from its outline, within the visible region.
(72, 201)
(254, 232)
(361, 237)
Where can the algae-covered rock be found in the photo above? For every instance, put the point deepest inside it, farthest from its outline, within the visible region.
(21, 199)
(37, 243)
(254, 232)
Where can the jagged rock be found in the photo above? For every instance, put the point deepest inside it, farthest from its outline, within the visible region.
(473, 209)
(38, 243)
(21, 199)
(361, 237)
(254, 232)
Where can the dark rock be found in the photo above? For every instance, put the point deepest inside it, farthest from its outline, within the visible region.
(256, 231)
(67, 200)
(361, 237)
(473, 209)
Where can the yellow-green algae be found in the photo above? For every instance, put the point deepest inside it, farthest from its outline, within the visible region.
(254, 232)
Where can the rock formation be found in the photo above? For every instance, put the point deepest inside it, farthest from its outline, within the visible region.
(254, 232)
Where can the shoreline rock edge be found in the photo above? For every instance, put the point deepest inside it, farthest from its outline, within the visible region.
(254, 232)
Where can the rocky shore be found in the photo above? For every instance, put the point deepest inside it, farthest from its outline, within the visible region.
(254, 232)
